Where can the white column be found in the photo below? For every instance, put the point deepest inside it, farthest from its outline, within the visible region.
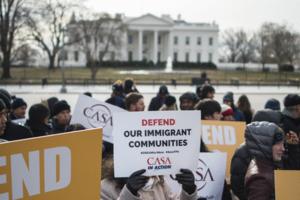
(170, 45)
(155, 41)
(140, 49)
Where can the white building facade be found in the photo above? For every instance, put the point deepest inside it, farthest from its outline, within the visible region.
(157, 39)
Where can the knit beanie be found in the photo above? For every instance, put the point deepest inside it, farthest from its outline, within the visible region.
(60, 106)
(18, 102)
(291, 100)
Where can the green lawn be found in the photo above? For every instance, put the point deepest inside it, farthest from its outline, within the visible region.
(108, 75)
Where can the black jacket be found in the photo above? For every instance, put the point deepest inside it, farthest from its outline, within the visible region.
(156, 103)
(15, 132)
(238, 168)
(292, 150)
(38, 129)
(57, 128)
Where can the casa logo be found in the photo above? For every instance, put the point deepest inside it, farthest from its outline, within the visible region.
(203, 175)
(157, 163)
(98, 116)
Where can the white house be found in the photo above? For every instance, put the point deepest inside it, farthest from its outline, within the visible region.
(153, 38)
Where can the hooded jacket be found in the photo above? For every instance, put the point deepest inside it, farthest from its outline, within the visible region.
(259, 179)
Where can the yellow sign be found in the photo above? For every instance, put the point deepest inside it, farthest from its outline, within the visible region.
(287, 184)
(63, 166)
(224, 136)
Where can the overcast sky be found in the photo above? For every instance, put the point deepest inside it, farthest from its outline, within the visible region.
(247, 14)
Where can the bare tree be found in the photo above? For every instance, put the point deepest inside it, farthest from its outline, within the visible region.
(100, 35)
(246, 48)
(232, 44)
(12, 15)
(47, 25)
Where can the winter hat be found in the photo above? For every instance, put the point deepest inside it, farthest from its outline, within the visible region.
(60, 106)
(38, 112)
(51, 101)
(272, 104)
(163, 90)
(228, 97)
(18, 102)
(170, 100)
(291, 100)
(2, 105)
(6, 98)
(117, 86)
(268, 116)
(190, 96)
(226, 110)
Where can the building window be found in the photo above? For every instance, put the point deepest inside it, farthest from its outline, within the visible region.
(130, 39)
(112, 56)
(144, 39)
(63, 55)
(198, 57)
(76, 56)
(130, 56)
(159, 39)
(210, 57)
(187, 57)
(175, 40)
(199, 41)
(211, 41)
(187, 40)
(158, 56)
(175, 57)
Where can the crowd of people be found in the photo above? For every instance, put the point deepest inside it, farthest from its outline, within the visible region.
(271, 138)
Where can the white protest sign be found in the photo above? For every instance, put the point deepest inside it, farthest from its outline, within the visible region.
(209, 176)
(92, 113)
(161, 142)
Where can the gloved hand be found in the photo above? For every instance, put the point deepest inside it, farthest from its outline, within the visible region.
(136, 181)
(187, 179)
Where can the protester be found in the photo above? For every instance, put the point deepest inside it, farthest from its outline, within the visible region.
(291, 127)
(129, 86)
(265, 143)
(50, 104)
(38, 120)
(244, 105)
(227, 113)
(138, 187)
(207, 92)
(19, 107)
(170, 104)
(188, 101)
(273, 104)
(134, 102)
(117, 97)
(211, 110)
(157, 101)
(242, 157)
(61, 118)
(12, 131)
(229, 100)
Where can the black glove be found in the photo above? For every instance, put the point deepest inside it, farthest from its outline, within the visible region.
(136, 181)
(187, 180)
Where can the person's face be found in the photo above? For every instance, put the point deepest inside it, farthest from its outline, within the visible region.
(187, 104)
(296, 111)
(20, 112)
(227, 103)
(211, 95)
(63, 118)
(215, 116)
(228, 118)
(277, 151)
(138, 106)
(3, 120)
